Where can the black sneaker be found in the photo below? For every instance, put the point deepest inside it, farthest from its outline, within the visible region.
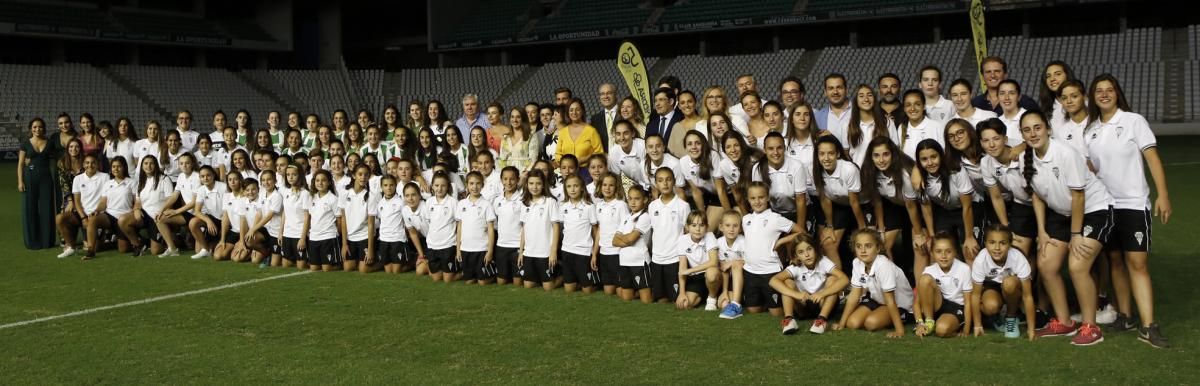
(1040, 318)
(90, 255)
(1123, 323)
(1153, 336)
(139, 250)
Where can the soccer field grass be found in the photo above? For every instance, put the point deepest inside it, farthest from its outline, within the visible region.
(340, 327)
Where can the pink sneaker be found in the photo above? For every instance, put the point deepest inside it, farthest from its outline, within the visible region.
(1088, 335)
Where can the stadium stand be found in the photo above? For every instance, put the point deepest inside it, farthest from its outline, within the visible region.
(368, 91)
(322, 90)
(706, 10)
(201, 91)
(576, 16)
(865, 65)
(1134, 57)
(28, 91)
(698, 72)
(584, 78)
(450, 84)
(244, 29)
(501, 18)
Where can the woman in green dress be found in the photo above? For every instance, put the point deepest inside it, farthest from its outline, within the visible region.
(37, 185)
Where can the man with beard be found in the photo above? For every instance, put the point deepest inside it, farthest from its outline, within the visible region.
(791, 93)
(889, 95)
(835, 118)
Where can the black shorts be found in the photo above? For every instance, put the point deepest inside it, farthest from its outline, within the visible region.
(610, 269)
(1021, 220)
(906, 316)
(150, 227)
(1096, 225)
(441, 260)
(505, 260)
(635, 278)
(324, 252)
(710, 198)
(1131, 230)
(393, 252)
(806, 309)
(982, 215)
(232, 237)
(272, 243)
(811, 217)
(757, 291)
(949, 221)
(696, 284)
(537, 270)
(115, 227)
(358, 251)
(577, 269)
(187, 217)
(664, 281)
(952, 308)
(290, 250)
(895, 217)
(843, 217)
(474, 268)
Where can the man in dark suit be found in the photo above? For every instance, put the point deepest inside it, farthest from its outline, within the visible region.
(604, 119)
(666, 114)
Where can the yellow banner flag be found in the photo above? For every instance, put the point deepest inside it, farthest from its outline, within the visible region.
(629, 62)
(979, 35)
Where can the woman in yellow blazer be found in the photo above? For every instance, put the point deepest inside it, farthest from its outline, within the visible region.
(578, 138)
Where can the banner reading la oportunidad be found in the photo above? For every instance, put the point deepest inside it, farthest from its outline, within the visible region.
(629, 62)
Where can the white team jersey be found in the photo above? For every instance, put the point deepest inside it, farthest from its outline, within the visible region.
(910, 135)
(1013, 127)
(667, 220)
(985, 268)
(731, 251)
(442, 225)
(981, 115)
(942, 110)
(1008, 177)
(628, 163)
(884, 277)
(187, 185)
(960, 184)
(762, 230)
(271, 203)
(389, 213)
(691, 172)
(609, 215)
(1062, 170)
(844, 179)
(538, 224)
(356, 212)
(1115, 149)
(954, 284)
(789, 180)
(670, 162)
(577, 220)
(119, 196)
(635, 255)
(414, 220)
(508, 217)
(695, 251)
(811, 280)
(323, 214)
(295, 204)
(154, 195)
(473, 217)
(90, 189)
(886, 186)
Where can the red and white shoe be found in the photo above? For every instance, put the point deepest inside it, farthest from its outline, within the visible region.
(1088, 335)
(1057, 328)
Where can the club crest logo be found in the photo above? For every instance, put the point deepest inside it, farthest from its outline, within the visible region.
(637, 280)
(1087, 230)
(994, 272)
(1055, 170)
(1139, 236)
(1070, 136)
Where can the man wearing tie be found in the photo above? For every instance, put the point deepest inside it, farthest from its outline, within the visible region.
(603, 120)
(667, 115)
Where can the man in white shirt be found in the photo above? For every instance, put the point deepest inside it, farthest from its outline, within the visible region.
(835, 118)
(603, 120)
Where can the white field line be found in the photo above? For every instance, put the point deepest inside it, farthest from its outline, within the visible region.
(148, 300)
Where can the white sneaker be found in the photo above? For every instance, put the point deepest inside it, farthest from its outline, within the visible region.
(818, 326)
(1077, 318)
(1108, 315)
(67, 252)
(170, 252)
(711, 305)
(203, 253)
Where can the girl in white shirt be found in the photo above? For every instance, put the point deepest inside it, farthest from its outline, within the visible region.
(186, 184)
(153, 190)
(1121, 147)
(737, 168)
(699, 275)
(702, 170)
(416, 225)
(610, 210)
(579, 235)
(151, 145)
(964, 151)
(171, 154)
(837, 183)
(121, 144)
(1009, 93)
(891, 192)
(476, 232)
(867, 122)
(540, 231)
(241, 217)
(1002, 276)
(266, 224)
(439, 212)
(731, 249)
(628, 154)
(229, 198)
(358, 223)
(947, 205)
(321, 225)
(393, 247)
(657, 158)
(1074, 212)
(207, 210)
(961, 93)
(86, 189)
(296, 200)
(1075, 117)
(880, 296)
(786, 180)
(817, 282)
(668, 214)
(944, 288)
(1001, 170)
(116, 201)
(207, 156)
(508, 208)
(597, 167)
(634, 257)
(918, 127)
